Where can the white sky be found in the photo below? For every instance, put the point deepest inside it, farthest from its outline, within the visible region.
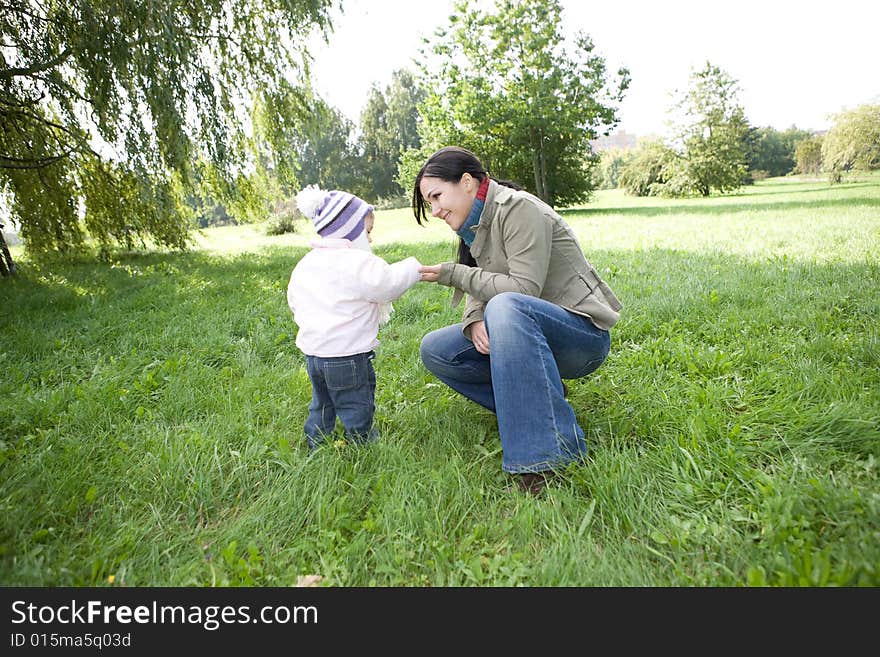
(796, 61)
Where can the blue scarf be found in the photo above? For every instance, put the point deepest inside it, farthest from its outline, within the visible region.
(466, 232)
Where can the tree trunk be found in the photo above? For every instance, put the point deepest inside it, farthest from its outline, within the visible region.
(7, 266)
(536, 173)
(539, 167)
(545, 191)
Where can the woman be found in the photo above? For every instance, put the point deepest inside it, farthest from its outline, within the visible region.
(537, 311)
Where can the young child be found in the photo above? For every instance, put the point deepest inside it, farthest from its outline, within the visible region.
(340, 293)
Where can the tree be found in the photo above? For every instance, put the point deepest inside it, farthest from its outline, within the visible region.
(505, 85)
(324, 151)
(770, 152)
(712, 131)
(647, 168)
(389, 126)
(808, 155)
(611, 163)
(405, 96)
(791, 138)
(378, 145)
(853, 142)
(106, 107)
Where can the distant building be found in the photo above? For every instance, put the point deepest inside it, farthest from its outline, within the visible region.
(619, 140)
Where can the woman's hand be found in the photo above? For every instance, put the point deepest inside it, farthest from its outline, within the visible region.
(430, 273)
(480, 337)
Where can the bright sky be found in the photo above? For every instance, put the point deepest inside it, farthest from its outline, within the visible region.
(796, 61)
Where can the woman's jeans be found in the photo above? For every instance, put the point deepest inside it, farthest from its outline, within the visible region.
(343, 387)
(533, 345)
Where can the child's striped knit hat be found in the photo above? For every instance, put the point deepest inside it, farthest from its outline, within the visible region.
(334, 213)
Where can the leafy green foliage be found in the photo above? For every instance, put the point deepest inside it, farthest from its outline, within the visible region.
(323, 150)
(808, 154)
(506, 85)
(380, 149)
(647, 168)
(772, 152)
(411, 160)
(286, 218)
(104, 101)
(710, 148)
(611, 162)
(389, 126)
(853, 142)
(712, 130)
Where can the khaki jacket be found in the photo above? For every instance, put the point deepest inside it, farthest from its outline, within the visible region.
(522, 245)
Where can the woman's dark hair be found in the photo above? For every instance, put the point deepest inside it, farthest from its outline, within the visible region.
(450, 164)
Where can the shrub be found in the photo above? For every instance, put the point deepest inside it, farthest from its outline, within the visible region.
(645, 169)
(675, 180)
(284, 218)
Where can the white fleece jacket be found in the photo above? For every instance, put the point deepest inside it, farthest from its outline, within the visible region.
(337, 293)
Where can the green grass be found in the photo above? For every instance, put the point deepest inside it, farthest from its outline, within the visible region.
(151, 427)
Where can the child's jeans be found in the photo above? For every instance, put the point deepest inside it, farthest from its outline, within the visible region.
(344, 387)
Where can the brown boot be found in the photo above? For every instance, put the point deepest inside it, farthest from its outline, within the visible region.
(531, 482)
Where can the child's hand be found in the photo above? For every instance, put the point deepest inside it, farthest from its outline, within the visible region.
(429, 273)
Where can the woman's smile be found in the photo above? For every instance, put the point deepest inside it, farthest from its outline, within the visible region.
(450, 201)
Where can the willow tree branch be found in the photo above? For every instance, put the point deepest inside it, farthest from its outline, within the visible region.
(9, 73)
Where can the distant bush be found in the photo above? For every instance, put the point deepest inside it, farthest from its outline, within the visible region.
(646, 169)
(279, 224)
(676, 179)
(284, 218)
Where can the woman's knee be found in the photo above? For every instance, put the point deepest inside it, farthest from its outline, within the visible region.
(430, 349)
(504, 307)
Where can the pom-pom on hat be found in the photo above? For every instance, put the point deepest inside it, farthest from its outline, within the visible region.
(334, 213)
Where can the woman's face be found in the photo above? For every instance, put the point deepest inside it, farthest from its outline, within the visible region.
(450, 201)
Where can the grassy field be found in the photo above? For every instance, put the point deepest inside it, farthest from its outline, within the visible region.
(150, 431)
